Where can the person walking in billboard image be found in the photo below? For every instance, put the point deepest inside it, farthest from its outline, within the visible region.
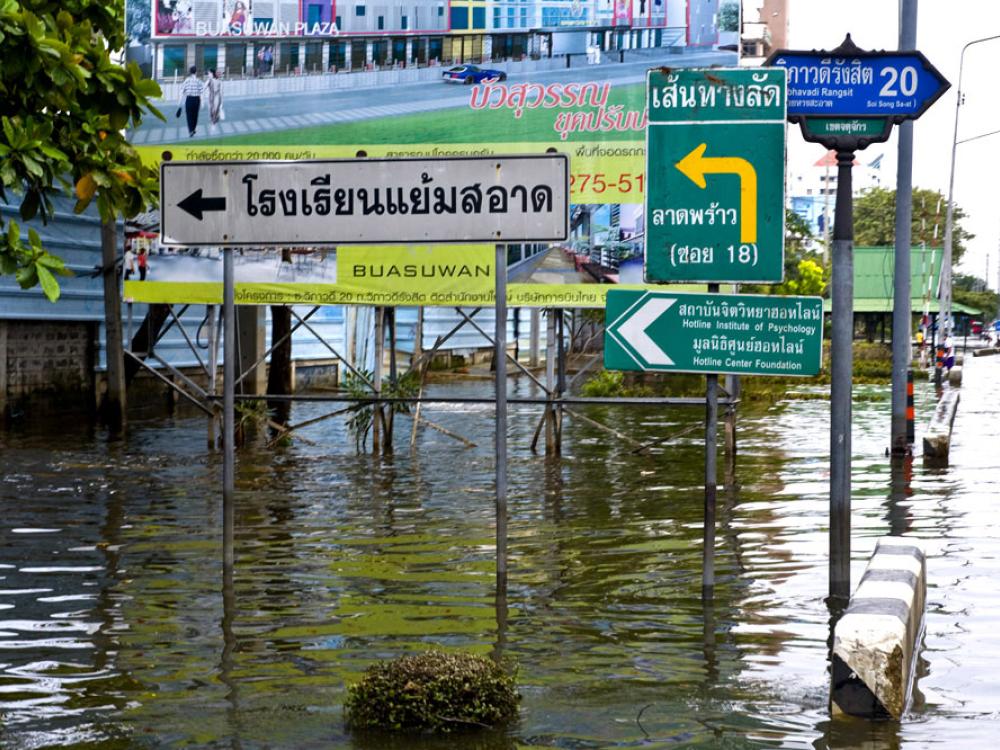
(214, 88)
(191, 91)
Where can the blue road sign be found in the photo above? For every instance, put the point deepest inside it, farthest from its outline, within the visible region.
(842, 83)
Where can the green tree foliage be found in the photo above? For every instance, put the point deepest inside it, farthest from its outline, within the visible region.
(804, 273)
(968, 283)
(808, 280)
(64, 105)
(875, 220)
(975, 292)
(729, 17)
(988, 301)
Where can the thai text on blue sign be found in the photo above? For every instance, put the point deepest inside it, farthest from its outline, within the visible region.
(900, 85)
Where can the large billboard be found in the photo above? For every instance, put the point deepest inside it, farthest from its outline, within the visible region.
(503, 88)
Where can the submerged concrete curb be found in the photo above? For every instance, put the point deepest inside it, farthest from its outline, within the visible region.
(937, 440)
(875, 642)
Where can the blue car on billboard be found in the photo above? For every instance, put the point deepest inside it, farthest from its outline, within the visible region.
(472, 74)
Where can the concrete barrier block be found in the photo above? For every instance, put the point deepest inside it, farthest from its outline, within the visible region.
(955, 376)
(986, 351)
(937, 439)
(875, 641)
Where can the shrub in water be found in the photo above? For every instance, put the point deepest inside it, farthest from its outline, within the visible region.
(434, 691)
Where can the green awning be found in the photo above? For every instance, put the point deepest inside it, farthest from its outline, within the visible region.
(867, 305)
(874, 268)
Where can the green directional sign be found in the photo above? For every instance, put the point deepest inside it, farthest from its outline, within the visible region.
(743, 334)
(715, 171)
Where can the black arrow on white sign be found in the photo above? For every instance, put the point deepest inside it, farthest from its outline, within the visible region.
(196, 204)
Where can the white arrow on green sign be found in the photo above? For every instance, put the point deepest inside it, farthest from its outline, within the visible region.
(715, 154)
(714, 333)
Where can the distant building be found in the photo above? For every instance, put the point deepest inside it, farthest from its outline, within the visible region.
(764, 28)
(812, 191)
(255, 37)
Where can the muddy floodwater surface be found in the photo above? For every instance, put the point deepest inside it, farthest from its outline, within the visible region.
(116, 632)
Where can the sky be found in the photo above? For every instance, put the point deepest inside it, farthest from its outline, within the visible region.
(943, 28)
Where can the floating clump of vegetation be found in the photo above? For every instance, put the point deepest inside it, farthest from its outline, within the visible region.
(433, 691)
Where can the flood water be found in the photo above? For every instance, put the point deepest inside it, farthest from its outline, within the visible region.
(114, 631)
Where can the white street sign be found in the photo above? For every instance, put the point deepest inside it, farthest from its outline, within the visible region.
(498, 199)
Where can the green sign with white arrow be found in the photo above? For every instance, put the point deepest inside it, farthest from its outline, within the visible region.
(715, 171)
(714, 333)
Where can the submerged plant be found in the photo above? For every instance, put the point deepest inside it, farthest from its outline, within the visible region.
(433, 691)
(357, 386)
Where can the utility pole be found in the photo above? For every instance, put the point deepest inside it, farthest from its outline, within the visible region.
(901, 352)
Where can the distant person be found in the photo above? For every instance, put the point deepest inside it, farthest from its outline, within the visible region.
(214, 88)
(949, 353)
(191, 91)
(129, 263)
(268, 59)
(143, 263)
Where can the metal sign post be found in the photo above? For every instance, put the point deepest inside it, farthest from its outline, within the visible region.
(228, 409)
(715, 212)
(847, 98)
(500, 436)
(841, 367)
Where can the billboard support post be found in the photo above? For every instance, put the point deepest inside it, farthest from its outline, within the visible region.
(228, 407)
(500, 438)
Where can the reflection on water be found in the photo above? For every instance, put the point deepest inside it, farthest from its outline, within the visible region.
(117, 628)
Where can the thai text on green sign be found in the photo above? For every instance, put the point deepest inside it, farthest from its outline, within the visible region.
(715, 150)
(713, 333)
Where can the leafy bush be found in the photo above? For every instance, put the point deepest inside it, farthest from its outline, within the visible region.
(609, 384)
(604, 384)
(360, 423)
(433, 691)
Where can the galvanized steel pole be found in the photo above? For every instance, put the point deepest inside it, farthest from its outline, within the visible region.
(901, 351)
(500, 440)
(841, 365)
